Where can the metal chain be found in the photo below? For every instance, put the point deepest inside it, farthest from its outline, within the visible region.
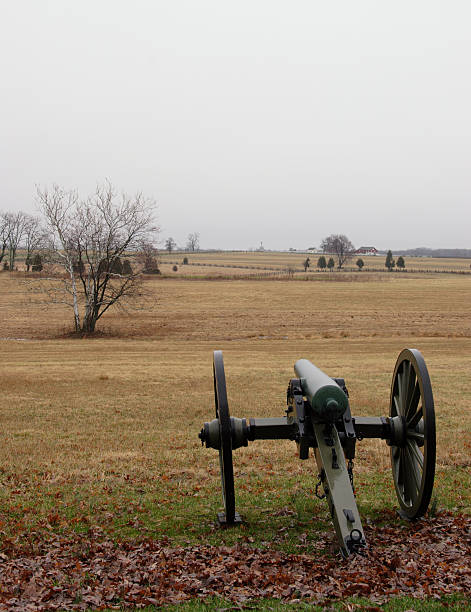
(318, 485)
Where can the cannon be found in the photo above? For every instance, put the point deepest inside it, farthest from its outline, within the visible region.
(318, 417)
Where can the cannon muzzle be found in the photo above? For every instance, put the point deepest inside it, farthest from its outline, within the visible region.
(328, 401)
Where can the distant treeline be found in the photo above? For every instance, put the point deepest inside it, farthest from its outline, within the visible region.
(424, 252)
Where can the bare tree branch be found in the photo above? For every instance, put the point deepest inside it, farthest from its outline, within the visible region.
(193, 242)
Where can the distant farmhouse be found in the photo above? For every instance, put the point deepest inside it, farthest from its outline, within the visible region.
(367, 250)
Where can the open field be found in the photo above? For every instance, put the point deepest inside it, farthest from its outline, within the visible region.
(218, 263)
(102, 433)
(236, 263)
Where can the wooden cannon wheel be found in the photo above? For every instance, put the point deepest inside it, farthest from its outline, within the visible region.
(225, 436)
(412, 409)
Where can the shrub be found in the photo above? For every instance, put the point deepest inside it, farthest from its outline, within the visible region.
(151, 266)
(116, 266)
(127, 268)
(175, 268)
(389, 263)
(78, 267)
(101, 267)
(36, 263)
(185, 261)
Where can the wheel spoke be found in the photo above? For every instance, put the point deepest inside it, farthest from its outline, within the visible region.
(414, 400)
(400, 390)
(396, 405)
(399, 475)
(400, 472)
(412, 389)
(415, 418)
(396, 459)
(410, 491)
(414, 472)
(419, 438)
(406, 383)
(415, 452)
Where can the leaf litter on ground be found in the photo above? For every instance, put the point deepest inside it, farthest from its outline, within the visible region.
(427, 559)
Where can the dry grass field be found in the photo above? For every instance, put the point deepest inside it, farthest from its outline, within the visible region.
(103, 431)
(240, 262)
(123, 400)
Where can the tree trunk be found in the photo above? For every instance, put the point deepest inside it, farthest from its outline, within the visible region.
(12, 258)
(88, 325)
(74, 294)
(91, 313)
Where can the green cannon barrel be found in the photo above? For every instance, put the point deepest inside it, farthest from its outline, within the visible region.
(328, 401)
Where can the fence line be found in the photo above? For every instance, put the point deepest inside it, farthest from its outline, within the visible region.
(292, 271)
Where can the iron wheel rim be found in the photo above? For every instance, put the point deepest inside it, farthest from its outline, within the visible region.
(413, 463)
(225, 436)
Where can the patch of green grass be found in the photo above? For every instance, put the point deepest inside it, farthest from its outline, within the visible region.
(453, 603)
(448, 602)
(279, 510)
(453, 489)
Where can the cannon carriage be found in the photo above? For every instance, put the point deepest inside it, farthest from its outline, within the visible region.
(318, 417)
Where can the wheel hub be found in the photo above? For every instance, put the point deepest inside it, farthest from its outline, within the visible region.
(398, 431)
(211, 433)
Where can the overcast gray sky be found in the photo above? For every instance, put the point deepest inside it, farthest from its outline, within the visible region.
(247, 121)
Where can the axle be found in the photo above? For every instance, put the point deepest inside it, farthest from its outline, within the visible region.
(248, 430)
(244, 431)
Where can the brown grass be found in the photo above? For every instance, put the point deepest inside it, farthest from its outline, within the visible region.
(220, 262)
(398, 306)
(133, 400)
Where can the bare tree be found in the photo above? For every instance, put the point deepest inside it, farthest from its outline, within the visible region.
(87, 237)
(340, 246)
(193, 242)
(4, 234)
(16, 223)
(34, 236)
(170, 244)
